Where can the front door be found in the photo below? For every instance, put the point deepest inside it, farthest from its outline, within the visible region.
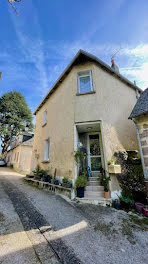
(94, 152)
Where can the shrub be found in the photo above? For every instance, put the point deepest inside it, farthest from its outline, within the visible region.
(106, 183)
(131, 179)
(66, 182)
(80, 182)
(40, 172)
(126, 200)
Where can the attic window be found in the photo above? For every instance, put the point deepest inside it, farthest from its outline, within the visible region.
(85, 82)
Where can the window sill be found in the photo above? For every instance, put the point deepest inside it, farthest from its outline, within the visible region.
(44, 124)
(45, 161)
(92, 92)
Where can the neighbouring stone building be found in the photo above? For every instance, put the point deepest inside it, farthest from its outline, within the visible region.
(139, 115)
(20, 153)
(89, 103)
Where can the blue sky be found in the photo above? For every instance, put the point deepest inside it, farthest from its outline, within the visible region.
(37, 45)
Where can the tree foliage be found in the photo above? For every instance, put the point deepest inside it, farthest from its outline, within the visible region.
(14, 116)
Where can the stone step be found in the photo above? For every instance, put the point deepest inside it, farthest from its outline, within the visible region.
(93, 179)
(94, 188)
(96, 174)
(93, 183)
(88, 194)
(98, 201)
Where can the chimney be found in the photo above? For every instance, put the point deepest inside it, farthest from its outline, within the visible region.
(114, 66)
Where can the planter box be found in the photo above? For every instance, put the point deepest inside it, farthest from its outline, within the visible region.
(114, 169)
(51, 187)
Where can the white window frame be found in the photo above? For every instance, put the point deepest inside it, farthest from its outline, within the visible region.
(46, 149)
(84, 74)
(45, 117)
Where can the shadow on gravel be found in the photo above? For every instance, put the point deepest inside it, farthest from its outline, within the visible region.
(32, 219)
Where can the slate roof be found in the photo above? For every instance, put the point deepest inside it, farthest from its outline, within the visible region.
(28, 142)
(82, 57)
(141, 106)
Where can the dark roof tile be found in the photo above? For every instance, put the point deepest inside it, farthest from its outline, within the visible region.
(141, 106)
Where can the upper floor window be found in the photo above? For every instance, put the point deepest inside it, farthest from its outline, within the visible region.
(85, 82)
(45, 118)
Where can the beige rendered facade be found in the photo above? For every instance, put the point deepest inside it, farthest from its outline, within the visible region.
(20, 158)
(73, 116)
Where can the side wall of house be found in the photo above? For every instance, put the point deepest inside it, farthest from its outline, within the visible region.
(111, 103)
(20, 158)
(59, 129)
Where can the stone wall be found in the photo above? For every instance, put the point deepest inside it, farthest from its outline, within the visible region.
(142, 122)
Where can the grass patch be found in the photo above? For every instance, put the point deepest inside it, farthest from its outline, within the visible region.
(140, 222)
(34, 185)
(127, 231)
(106, 229)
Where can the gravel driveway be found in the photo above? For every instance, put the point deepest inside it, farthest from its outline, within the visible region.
(77, 233)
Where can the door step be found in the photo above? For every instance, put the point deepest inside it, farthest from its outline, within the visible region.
(93, 179)
(92, 194)
(93, 183)
(94, 188)
(98, 201)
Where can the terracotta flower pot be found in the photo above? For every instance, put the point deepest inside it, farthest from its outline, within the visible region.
(106, 195)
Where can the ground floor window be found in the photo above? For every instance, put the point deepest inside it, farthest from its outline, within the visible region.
(46, 149)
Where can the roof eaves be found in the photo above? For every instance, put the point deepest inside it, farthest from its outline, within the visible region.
(134, 116)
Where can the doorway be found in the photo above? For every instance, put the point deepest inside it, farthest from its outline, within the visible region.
(94, 151)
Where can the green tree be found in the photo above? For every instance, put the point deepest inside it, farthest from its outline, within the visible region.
(15, 115)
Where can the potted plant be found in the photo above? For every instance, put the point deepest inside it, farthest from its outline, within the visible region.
(66, 183)
(116, 204)
(111, 162)
(101, 178)
(146, 210)
(56, 182)
(125, 202)
(106, 187)
(38, 173)
(139, 207)
(80, 184)
(49, 178)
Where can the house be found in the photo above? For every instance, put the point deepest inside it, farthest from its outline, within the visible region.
(89, 103)
(20, 153)
(139, 115)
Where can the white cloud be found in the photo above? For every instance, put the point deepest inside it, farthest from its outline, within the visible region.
(50, 58)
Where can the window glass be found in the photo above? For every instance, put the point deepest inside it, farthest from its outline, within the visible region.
(45, 118)
(85, 82)
(46, 149)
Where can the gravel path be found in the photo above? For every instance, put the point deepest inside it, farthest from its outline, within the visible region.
(15, 246)
(84, 233)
